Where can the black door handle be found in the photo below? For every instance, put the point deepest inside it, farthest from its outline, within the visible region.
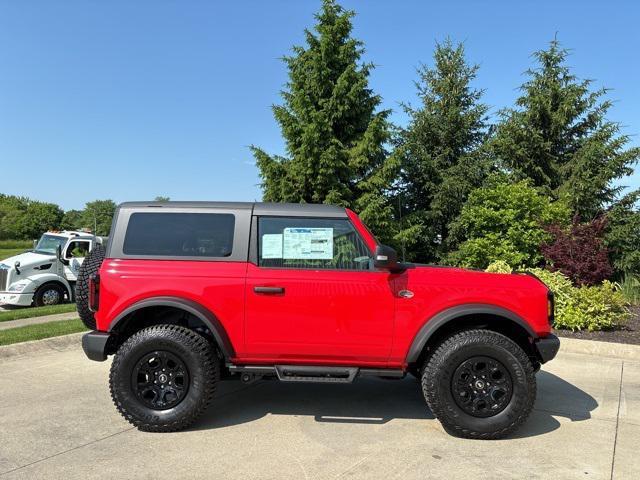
(269, 290)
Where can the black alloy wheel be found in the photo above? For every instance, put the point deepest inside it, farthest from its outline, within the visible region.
(482, 386)
(160, 380)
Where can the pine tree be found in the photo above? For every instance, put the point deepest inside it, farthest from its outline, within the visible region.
(559, 137)
(440, 151)
(334, 133)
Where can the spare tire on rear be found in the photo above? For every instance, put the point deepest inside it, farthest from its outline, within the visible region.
(90, 266)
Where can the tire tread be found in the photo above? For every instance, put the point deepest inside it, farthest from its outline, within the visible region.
(435, 362)
(190, 340)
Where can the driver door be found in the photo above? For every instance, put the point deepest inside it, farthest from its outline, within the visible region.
(74, 255)
(315, 295)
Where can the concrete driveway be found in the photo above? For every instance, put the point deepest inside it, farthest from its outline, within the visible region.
(57, 421)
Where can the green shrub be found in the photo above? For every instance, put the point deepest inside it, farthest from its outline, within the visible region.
(499, 266)
(630, 288)
(504, 221)
(598, 307)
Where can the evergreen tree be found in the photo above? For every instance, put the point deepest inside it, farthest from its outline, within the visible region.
(559, 137)
(440, 151)
(333, 130)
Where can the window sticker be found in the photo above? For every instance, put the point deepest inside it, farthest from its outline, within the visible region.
(272, 245)
(308, 243)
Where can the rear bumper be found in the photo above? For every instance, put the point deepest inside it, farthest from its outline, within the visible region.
(94, 345)
(547, 347)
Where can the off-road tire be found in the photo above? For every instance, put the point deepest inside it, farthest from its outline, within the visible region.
(437, 386)
(192, 349)
(90, 266)
(39, 296)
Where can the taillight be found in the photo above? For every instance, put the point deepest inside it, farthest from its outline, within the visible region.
(551, 307)
(94, 292)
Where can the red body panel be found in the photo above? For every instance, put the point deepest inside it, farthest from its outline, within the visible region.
(324, 316)
(217, 286)
(436, 289)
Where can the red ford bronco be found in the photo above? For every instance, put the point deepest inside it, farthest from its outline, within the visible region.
(188, 294)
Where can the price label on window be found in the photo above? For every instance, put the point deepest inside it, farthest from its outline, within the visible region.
(307, 244)
(272, 245)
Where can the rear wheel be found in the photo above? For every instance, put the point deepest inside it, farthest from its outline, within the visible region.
(479, 384)
(49, 294)
(163, 378)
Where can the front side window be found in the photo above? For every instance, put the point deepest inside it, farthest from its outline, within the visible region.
(315, 243)
(78, 249)
(179, 234)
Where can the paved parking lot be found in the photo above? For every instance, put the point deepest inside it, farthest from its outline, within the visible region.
(57, 421)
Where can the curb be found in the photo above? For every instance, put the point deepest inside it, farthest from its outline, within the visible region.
(601, 349)
(53, 344)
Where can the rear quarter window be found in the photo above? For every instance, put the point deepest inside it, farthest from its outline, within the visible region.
(179, 235)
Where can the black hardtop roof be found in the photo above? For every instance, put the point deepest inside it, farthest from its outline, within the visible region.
(259, 208)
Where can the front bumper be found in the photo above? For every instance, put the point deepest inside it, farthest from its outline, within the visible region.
(14, 298)
(94, 345)
(547, 347)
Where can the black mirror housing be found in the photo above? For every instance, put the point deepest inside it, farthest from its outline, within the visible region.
(386, 258)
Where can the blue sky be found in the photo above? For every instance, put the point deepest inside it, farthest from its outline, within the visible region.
(129, 100)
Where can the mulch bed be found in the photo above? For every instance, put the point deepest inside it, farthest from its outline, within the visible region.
(629, 333)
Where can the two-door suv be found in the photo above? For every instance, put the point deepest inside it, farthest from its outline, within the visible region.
(188, 294)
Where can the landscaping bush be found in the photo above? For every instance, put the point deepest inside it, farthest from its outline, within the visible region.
(579, 251)
(630, 288)
(597, 307)
(499, 266)
(504, 221)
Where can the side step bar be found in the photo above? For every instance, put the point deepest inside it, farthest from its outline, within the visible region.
(293, 373)
(309, 373)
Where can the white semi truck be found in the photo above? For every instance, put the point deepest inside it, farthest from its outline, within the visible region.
(47, 274)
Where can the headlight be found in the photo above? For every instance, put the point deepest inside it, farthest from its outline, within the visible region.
(17, 287)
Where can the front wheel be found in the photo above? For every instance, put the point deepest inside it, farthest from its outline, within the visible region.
(479, 384)
(49, 294)
(163, 378)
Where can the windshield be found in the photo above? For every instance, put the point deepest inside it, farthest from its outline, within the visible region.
(49, 243)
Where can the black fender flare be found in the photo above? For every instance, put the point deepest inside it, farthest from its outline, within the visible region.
(450, 314)
(194, 308)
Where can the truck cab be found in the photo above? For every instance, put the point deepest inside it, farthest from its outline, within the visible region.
(45, 275)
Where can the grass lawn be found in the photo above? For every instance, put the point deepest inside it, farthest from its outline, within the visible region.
(9, 248)
(10, 252)
(38, 332)
(36, 311)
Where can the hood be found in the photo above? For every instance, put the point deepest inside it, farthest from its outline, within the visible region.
(461, 276)
(28, 259)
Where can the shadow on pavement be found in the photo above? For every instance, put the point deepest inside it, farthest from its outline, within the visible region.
(556, 398)
(366, 401)
(375, 401)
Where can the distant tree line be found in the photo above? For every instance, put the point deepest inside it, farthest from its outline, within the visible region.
(537, 185)
(24, 219)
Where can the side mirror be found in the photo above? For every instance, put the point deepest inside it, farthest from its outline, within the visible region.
(16, 265)
(59, 256)
(386, 258)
